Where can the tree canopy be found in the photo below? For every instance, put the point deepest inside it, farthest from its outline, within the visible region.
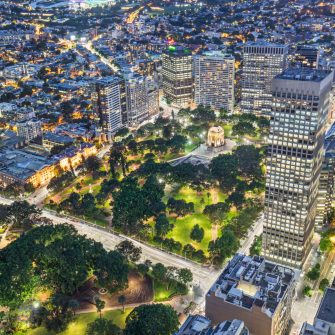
(156, 319)
(58, 258)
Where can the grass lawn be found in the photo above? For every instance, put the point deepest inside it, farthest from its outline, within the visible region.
(227, 129)
(162, 292)
(79, 325)
(200, 200)
(183, 227)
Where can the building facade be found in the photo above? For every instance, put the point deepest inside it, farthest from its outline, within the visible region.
(326, 183)
(254, 290)
(214, 76)
(153, 102)
(200, 325)
(261, 63)
(136, 100)
(177, 75)
(109, 105)
(30, 129)
(306, 56)
(295, 154)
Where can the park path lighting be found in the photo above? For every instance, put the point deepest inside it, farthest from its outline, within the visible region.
(36, 304)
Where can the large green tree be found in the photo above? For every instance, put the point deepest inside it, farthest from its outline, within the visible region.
(224, 169)
(248, 159)
(129, 206)
(156, 319)
(163, 225)
(129, 251)
(103, 327)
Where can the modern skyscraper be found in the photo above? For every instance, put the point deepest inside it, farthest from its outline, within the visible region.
(261, 63)
(306, 56)
(136, 100)
(295, 153)
(177, 75)
(326, 183)
(109, 105)
(214, 75)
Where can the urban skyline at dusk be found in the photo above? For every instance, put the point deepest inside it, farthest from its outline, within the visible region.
(167, 167)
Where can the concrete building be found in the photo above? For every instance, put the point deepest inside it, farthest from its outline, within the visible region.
(22, 166)
(261, 63)
(153, 102)
(214, 75)
(18, 166)
(326, 183)
(51, 140)
(30, 129)
(324, 321)
(200, 325)
(254, 290)
(137, 108)
(331, 114)
(109, 105)
(306, 56)
(177, 75)
(295, 150)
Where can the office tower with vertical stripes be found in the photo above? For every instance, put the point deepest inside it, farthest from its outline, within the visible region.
(262, 61)
(295, 154)
(109, 105)
(177, 75)
(214, 75)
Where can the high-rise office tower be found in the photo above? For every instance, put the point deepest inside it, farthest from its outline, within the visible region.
(177, 75)
(262, 61)
(136, 100)
(214, 75)
(109, 105)
(327, 179)
(295, 154)
(306, 56)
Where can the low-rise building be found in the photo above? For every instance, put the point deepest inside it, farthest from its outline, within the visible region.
(200, 325)
(18, 166)
(28, 167)
(254, 290)
(51, 140)
(29, 129)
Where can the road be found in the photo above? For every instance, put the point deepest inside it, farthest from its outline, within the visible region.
(256, 230)
(305, 308)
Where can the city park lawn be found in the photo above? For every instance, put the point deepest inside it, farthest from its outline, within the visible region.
(79, 325)
(184, 225)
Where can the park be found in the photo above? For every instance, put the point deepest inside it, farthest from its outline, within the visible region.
(165, 184)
